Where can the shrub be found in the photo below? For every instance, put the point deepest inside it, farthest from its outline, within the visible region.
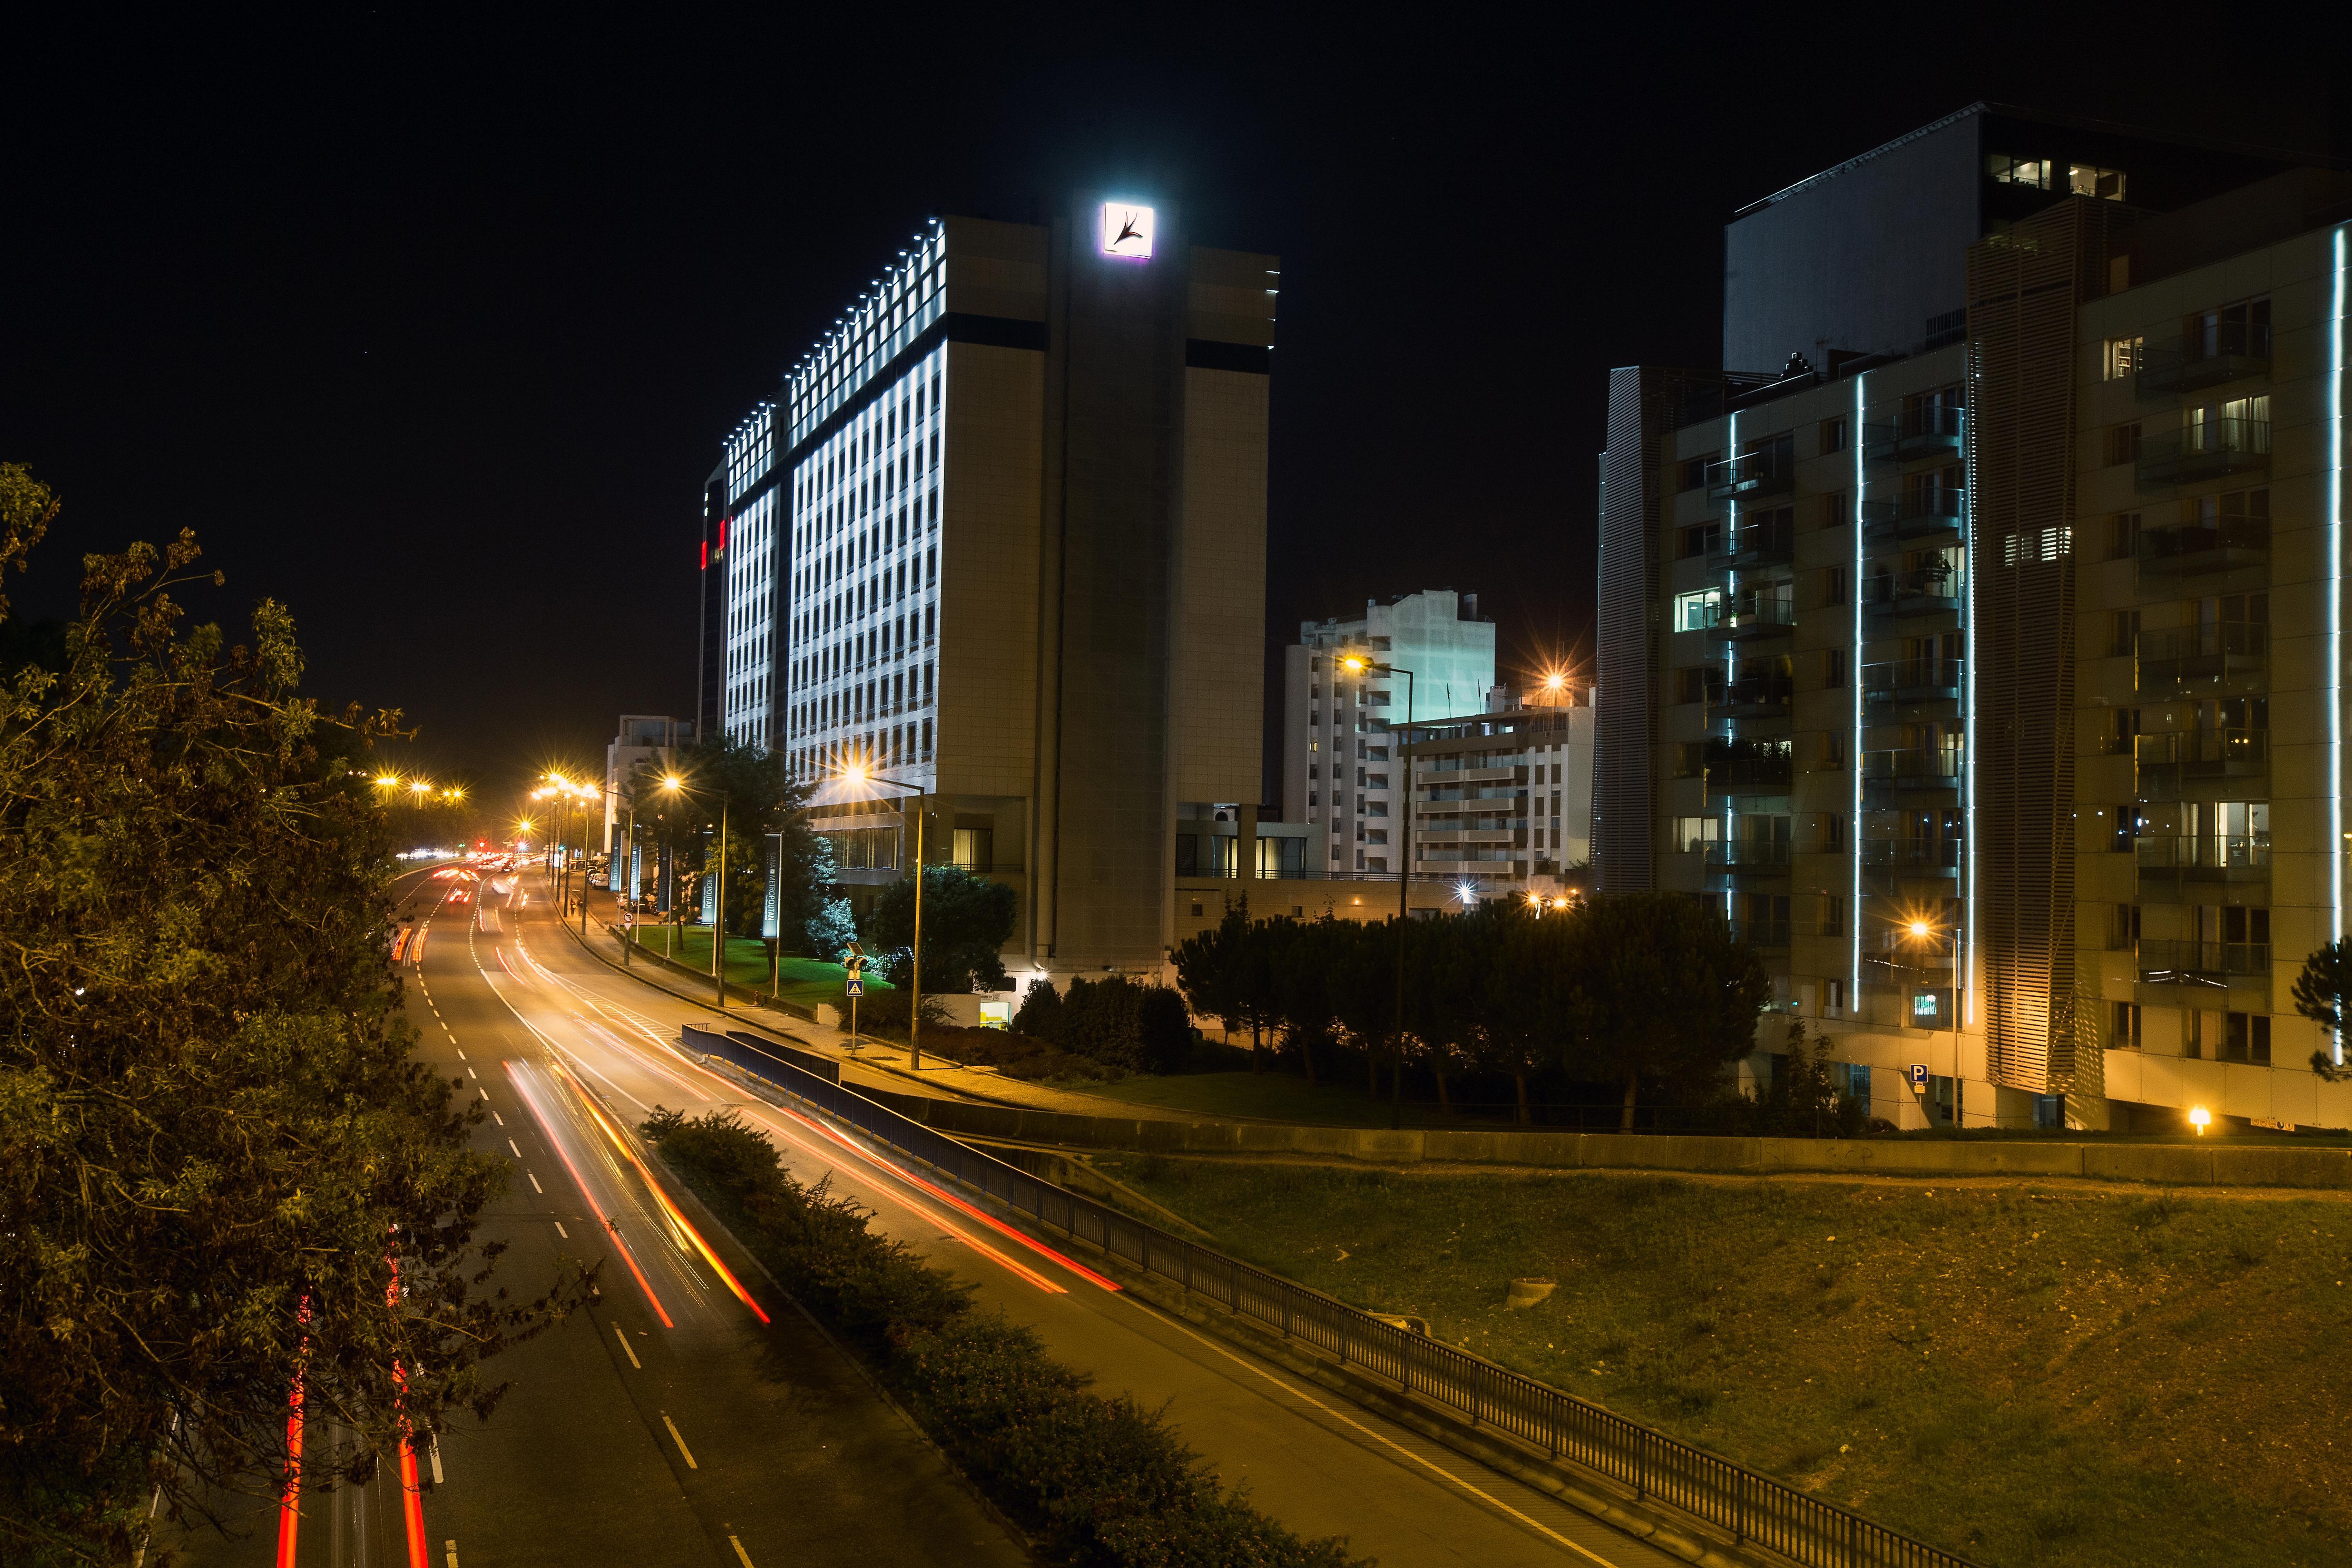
(886, 1012)
(1114, 1021)
(1097, 1481)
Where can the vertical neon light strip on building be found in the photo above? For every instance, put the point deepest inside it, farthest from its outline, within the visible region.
(1964, 940)
(1730, 650)
(1855, 757)
(2335, 606)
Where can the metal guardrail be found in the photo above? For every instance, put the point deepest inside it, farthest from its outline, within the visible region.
(1752, 1506)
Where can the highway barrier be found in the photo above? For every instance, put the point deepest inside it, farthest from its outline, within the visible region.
(1753, 1507)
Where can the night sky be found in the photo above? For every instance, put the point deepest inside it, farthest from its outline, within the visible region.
(431, 329)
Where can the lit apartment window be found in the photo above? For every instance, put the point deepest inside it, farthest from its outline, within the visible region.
(2083, 180)
(2122, 357)
(2008, 171)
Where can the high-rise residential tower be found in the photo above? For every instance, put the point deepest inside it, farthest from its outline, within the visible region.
(1974, 640)
(1003, 537)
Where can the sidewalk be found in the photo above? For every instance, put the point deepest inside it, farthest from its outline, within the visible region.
(879, 1063)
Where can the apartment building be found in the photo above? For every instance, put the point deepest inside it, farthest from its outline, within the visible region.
(641, 738)
(1338, 732)
(1001, 538)
(1980, 655)
(1502, 801)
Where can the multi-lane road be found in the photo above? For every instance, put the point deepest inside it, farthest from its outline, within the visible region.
(692, 1416)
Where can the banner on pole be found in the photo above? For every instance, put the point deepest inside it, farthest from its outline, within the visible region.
(772, 905)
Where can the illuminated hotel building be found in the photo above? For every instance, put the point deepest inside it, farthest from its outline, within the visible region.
(1979, 654)
(1002, 536)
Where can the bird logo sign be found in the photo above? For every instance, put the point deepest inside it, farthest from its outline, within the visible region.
(1126, 231)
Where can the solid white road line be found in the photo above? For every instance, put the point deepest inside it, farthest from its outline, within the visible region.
(680, 1441)
(623, 1335)
(1484, 1496)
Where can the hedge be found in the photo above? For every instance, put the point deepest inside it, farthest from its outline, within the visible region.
(1098, 1483)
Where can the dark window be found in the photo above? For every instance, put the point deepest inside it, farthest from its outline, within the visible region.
(2247, 1040)
(1693, 472)
(2123, 1031)
(1834, 435)
(2123, 444)
(2123, 537)
(1698, 538)
(1833, 585)
(1837, 510)
(1834, 674)
(2123, 633)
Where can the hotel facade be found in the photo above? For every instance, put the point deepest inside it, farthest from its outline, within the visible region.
(1982, 657)
(1001, 537)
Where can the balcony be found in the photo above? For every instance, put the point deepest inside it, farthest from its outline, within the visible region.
(2171, 762)
(2227, 653)
(1757, 618)
(1914, 682)
(2231, 351)
(1896, 948)
(2194, 548)
(1770, 471)
(1912, 768)
(1752, 545)
(2188, 962)
(2207, 449)
(1770, 774)
(1927, 512)
(1921, 591)
(1925, 858)
(1759, 697)
(2207, 857)
(1764, 935)
(1743, 859)
(1930, 431)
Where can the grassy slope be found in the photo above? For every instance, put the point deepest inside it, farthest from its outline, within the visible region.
(807, 981)
(2047, 1376)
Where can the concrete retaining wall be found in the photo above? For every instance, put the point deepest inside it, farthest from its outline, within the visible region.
(2180, 1165)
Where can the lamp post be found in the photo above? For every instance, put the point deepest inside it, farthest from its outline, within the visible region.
(1360, 664)
(1926, 932)
(673, 783)
(857, 774)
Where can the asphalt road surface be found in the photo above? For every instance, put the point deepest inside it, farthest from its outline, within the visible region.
(670, 1425)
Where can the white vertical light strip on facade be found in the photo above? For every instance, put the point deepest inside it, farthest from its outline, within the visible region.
(1730, 653)
(1855, 757)
(2335, 603)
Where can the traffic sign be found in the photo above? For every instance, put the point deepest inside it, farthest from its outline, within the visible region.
(857, 986)
(1918, 1073)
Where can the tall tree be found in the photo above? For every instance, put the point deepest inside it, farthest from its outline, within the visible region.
(2323, 994)
(1659, 989)
(218, 1167)
(760, 798)
(966, 920)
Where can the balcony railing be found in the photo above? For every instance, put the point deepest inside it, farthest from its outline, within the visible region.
(1924, 432)
(1767, 934)
(1754, 544)
(2190, 549)
(2168, 961)
(1776, 773)
(2207, 449)
(1926, 510)
(1767, 856)
(1757, 618)
(2229, 751)
(2221, 651)
(1912, 856)
(1921, 591)
(1913, 768)
(2208, 854)
(1760, 696)
(2231, 351)
(1923, 679)
(1768, 471)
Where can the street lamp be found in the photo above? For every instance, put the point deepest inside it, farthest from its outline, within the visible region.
(859, 774)
(1359, 663)
(1925, 931)
(673, 785)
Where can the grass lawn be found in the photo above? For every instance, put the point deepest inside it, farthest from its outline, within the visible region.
(2043, 1376)
(1276, 1096)
(807, 981)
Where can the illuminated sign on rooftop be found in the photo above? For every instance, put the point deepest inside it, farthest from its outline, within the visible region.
(1127, 230)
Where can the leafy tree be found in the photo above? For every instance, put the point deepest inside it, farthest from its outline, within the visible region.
(1659, 989)
(1041, 1012)
(1116, 1021)
(2320, 994)
(218, 1167)
(1801, 1099)
(966, 920)
(760, 798)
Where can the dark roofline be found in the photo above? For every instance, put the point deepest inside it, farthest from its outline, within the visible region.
(2074, 121)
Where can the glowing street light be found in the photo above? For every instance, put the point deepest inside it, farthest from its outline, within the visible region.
(2199, 1118)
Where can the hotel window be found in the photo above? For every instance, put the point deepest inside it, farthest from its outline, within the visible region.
(2122, 357)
